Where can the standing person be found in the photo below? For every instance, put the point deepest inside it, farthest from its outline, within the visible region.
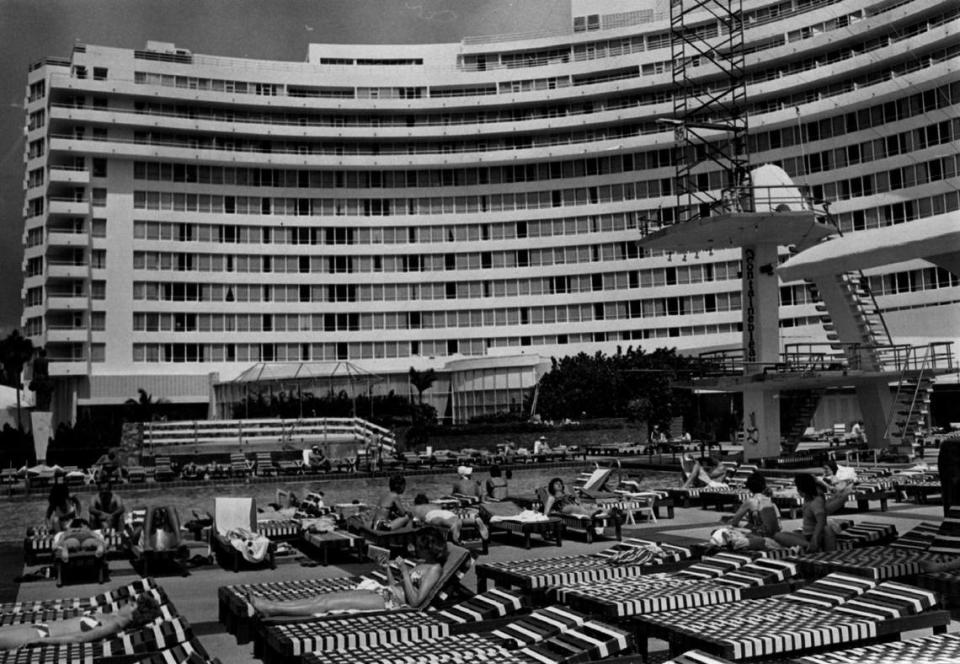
(106, 508)
(391, 513)
(465, 485)
(62, 508)
(815, 535)
(948, 463)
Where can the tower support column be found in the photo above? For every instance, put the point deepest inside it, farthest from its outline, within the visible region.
(876, 405)
(760, 302)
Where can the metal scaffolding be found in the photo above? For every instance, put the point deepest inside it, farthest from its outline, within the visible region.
(709, 105)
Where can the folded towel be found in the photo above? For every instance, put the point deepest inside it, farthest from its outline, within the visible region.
(526, 516)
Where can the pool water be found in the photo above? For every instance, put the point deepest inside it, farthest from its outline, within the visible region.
(19, 513)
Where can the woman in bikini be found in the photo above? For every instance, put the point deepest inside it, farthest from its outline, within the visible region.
(559, 501)
(414, 588)
(91, 626)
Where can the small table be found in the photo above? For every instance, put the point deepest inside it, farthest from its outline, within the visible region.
(548, 529)
(333, 539)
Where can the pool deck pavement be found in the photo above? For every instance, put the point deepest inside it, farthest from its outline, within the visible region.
(195, 596)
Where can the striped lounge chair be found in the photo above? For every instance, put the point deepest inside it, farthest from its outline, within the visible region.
(87, 603)
(264, 465)
(162, 470)
(924, 544)
(553, 635)
(288, 641)
(188, 652)
(536, 575)
(38, 543)
(239, 466)
(835, 611)
(937, 648)
(726, 577)
(588, 526)
(237, 613)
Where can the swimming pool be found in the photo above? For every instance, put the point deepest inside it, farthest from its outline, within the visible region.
(20, 512)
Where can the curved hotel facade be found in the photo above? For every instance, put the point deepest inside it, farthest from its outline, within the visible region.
(472, 207)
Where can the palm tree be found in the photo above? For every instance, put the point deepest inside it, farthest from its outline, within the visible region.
(144, 408)
(422, 381)
(15, 351)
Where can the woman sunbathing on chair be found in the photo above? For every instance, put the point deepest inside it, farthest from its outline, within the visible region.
(415, 586)
(703, 473)
(91, 626)
(762, 515)
(558, 500)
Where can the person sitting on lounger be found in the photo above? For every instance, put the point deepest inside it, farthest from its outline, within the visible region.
(91, 626)
(496, 486)
(106, 508)
(838, 483)
(815, 535)
(559, 501)
(390, 513)
(430, 514)
(414, 587)
(465, 484)
(705, 472)
(62, 508)
(78, 538)
(763, 517)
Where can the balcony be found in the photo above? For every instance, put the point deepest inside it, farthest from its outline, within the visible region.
(67, 270)
(67, 367)
(67, 302)
(69, 206)
(69, 175)
(67, 238)
(64, 334)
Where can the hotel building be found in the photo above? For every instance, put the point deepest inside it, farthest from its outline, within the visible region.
(473, 207)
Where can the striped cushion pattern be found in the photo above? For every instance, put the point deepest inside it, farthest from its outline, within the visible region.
(84, 603)
(863, 534)
(539, 626)
(40, 540)
(889, 600)
(63, 613)
(592, 640)
(927, 650)
(488, 605)
(353, 632)
(697, 657)
(452, 650)
(190, 652)
(830, 591)
(279, 528)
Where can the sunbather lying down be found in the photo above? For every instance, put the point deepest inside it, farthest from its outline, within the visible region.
(415, 586)
(559, 501)
(91, 626)
(430, 514)
(78, 538)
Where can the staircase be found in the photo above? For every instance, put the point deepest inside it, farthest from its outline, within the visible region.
(796, 418)
(911, 407)
(851, 318)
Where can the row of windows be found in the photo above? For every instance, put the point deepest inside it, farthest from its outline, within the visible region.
(532, 200)
(898, 213)
(352, 235)
(452, 177)
(421, 320)
(487, 260)
(895, 179)
(888, 146)
(400, 292)
(303, 352)
(910, 281)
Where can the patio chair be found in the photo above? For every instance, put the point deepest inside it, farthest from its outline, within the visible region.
(163, 471)
(234, 538)
(239, 466)
(158, 541)
(264, 465)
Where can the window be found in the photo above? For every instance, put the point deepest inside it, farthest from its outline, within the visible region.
(99, 73)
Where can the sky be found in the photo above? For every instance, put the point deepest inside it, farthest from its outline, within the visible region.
(269, 29)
